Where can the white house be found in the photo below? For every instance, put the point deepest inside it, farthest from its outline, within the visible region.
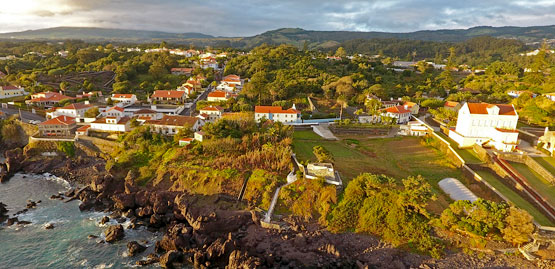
(114, 111)
(276, 113)
(47, 99)
(126, 99)
(171, 124)
(217, 96)
(483, 124)
(76, 111)
(550, 96)
(401, 114)
(211, 113)
(232, 80)
(111, 124)
(11, 91)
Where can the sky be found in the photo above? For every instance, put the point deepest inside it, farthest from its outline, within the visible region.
(251, 17)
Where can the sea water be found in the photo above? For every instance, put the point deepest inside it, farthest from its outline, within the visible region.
(66, 245)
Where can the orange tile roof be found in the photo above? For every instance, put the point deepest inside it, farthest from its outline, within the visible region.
(410, 104)
(120, 109)
(122, 95)
(60, 120)
(232, 78)
(506, 130)
(218, 94)
(274, 110)
(51, 97)
(83, 128)
(482, 108)
(168, 94)
(10, 87)
(397, 110)
(451, 104)
(76, 106)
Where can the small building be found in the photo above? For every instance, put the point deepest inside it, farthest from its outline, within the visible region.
(10, 91)
(199, 136)
(146, 114)
(456, 190)
(233, 80)
(59, 126)
(323, 170)
(111, 124)
(550, 96)
(453, 106)
(125, 99)
(169, 97)
(213, 113)
(391, 103)
(171, 124)
(547, 141)
(401, 114)
(413, 128)
(218, 96)
(115, 111)
(76, 111)
(486, 124)
(276, 113)
(185, 141)
(89, 94)
(83, 130)
(181, 71)
(47, 99)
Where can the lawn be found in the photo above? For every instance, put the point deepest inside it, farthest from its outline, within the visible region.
(542, 186)
(514, 197)
(547, 163)
(395, 157)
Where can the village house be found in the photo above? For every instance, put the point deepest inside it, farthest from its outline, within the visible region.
(76, 111)
(401, 114)
(89, 94)
(547, 141)
(83, 130)
(486, 124)
(47, 99)
(453, 106)
(125, 99)
(111, 124)
(413, 107)
(59, 126)
(171, 124)
(516, 94)
(211, 113)
(413, 128)
(276, 113)
(181, 71)
(193, 83)
(226, 87)
(218, 96)
(391, 103)
(232, 80)
(11, 91)
(168, 97)
(146, 114)
(185, 141)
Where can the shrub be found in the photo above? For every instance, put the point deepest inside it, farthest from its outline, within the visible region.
(66, 147)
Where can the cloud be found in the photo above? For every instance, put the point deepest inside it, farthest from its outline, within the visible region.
(250, 17)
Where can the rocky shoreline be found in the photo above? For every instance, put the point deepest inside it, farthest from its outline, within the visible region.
(216, 232)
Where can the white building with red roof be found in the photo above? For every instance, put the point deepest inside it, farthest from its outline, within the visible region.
(59, 126)
(47, 99)
(181, 71)
(168, 97)
(10, 91)
(76, 111)
(125, 99)
(486, 125)
(401, 114)
(115, 111)
(276, 113)
(111, 124)
(233, 80)
(171, 124)
(211, 113)
(218, 96)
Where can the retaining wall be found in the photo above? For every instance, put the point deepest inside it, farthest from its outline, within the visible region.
(530, 162)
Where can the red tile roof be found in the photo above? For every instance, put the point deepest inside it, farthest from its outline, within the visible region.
(10, 87)
(76, 106)
(182, 69)
(51, 97)
(397, 110)
(274, 110)
(60, 120)
(451, 104)
(168, 94)
(122, 95)
(506, 130)
(232, 78)
(83, 128)
(217, 94)
(482, 108)
(120, 109)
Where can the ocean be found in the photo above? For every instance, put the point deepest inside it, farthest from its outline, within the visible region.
(67, 245)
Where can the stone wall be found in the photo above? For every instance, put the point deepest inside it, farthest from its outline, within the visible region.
(482, 153)
(531, 163)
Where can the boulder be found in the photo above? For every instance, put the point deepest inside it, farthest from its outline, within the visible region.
(49, 226)
(176, 238)
(150, 259)
(12, 221)
(167, 260)
(124, 201)
(104, 220)
(134, 248)
(242, 260)
(141, 198)
(114, 233)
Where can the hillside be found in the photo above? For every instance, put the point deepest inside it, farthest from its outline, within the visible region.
(292, 36)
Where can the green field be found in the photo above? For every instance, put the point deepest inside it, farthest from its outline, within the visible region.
(395, 157)
(547, 163)
(515, 198)
(542, 186)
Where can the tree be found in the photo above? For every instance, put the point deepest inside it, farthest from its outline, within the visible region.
(446, 80)
(163, 45)
(451, 58)
(518, 226)
(340, 52)
(92, 113)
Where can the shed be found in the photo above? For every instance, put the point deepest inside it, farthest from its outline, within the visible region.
(456, 190)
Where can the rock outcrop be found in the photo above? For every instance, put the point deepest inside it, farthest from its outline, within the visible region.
(134, 248)
(114, 233)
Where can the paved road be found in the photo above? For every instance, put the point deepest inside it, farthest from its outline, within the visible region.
(26, 115)
(202, 96)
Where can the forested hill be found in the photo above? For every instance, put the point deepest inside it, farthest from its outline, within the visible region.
(101, 34)
(293, 36)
